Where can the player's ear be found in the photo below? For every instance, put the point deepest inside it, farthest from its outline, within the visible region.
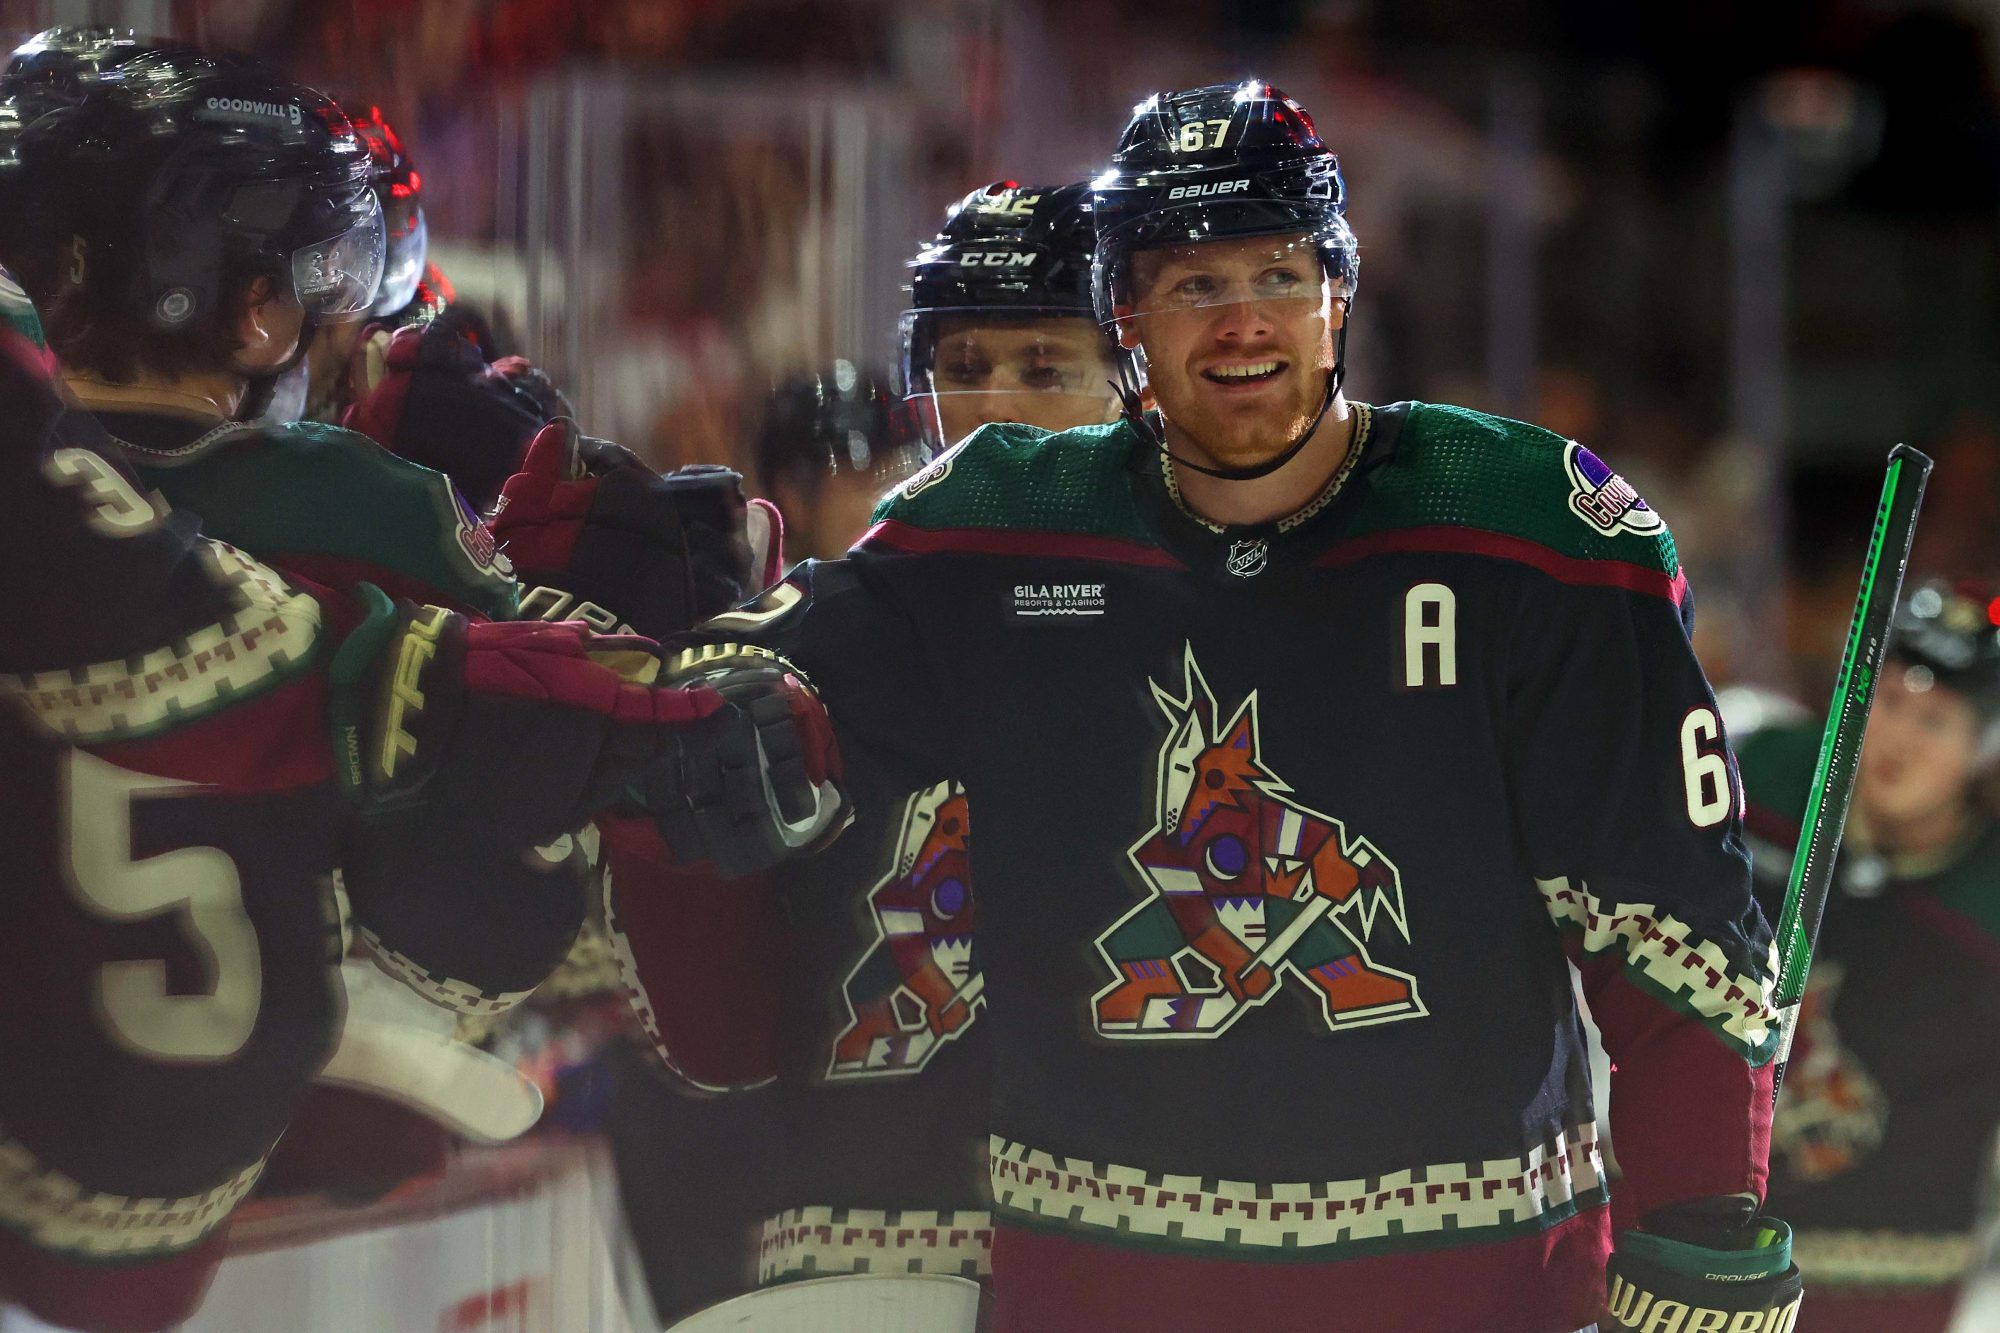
(267, 327)
(1126, 328)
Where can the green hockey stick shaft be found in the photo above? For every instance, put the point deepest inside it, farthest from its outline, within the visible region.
(1861, 662)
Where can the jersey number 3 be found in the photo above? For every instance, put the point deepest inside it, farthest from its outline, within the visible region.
(200, 884)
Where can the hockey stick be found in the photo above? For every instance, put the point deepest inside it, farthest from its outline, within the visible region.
(1861, 662)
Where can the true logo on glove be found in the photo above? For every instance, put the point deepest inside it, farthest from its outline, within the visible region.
(406, 695)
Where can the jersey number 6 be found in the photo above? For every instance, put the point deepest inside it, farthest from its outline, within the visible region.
(1704, 772)
(199, 883)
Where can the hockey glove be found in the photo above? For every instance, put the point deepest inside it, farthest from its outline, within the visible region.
(429, 394)
(526, 729)
(758, 783)
(595, 535)
(1709, 1263)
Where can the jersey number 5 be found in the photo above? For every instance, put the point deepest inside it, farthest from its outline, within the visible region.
(199, 883)
(1704, 771)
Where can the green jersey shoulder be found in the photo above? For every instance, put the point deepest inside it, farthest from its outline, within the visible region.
(307, 489)
(1018, 477)
(1457, 468)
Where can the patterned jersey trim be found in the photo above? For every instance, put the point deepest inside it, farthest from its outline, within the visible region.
(808, 1242)
(60, 1214)
(1418, 1208)
(1661, 953)
(270, 637)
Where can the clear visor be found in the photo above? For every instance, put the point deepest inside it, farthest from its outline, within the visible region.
(1276, 278)
(403, 267)
(969, 367)
(341, 275)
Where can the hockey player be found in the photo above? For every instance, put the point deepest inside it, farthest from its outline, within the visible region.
(1304, 738)
(258, 217)
(1892, 1097)
(831, 444)
(175, 793)
(1000, 326)
(878, 995)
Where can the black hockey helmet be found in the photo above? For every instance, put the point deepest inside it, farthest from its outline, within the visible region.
(838, 420)
(1952, 632)
(46, 73)
(176, 167)
(400, 188)
(1006, 251)
(1227, 161)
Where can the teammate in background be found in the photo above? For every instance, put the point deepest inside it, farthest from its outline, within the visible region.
(180, 805)
(831, 445)
(1304, 738)
(260, 220)
(1892, 1097)
(878, 994)
(1000, 326)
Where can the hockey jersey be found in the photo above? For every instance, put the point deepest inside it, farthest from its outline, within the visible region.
(334, 506)
(881, 1053)
(1284, 833)
(1892, 1095)
(170, 917)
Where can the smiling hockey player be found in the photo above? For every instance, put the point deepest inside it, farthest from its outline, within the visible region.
(1304, 738)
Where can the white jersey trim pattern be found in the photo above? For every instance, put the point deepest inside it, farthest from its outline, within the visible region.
(58, 1213)
(1695, 973)
(803, 1241)
(212, 667)
(1450, 1196)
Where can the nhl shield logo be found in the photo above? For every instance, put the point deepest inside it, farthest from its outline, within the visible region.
(1248, 558)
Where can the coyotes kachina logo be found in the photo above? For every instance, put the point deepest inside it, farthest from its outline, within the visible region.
(1250, 890)
(914, 989)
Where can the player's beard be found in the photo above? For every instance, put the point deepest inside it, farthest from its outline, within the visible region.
(1209, 425)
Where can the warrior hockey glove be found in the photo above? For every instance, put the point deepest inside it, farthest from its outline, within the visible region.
(748, 797)
(1705, 1264)
(595, 535)
(429, 394)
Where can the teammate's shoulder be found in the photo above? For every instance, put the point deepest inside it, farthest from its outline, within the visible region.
(297, 488)
(1007, 475)
(1456, 467)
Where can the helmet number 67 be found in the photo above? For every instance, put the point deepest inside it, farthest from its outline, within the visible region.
(1193, 140)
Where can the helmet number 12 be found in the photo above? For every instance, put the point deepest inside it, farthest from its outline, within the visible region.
(1194, 137)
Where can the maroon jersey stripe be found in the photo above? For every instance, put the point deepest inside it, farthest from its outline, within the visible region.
(1472, 541)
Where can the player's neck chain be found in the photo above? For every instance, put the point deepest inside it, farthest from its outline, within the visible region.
(1364, 421)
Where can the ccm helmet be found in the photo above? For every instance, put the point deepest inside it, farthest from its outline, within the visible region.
(1006, 252)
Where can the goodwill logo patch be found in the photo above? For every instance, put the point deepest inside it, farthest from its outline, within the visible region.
(1602, 498)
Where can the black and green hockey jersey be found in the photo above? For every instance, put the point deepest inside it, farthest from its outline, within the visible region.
(1284, 835)
(1892, 1094)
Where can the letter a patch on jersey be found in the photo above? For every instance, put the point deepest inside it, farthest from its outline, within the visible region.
(1250, 892)
(915, 989)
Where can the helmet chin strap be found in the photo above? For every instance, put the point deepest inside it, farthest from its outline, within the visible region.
(1135, 414)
